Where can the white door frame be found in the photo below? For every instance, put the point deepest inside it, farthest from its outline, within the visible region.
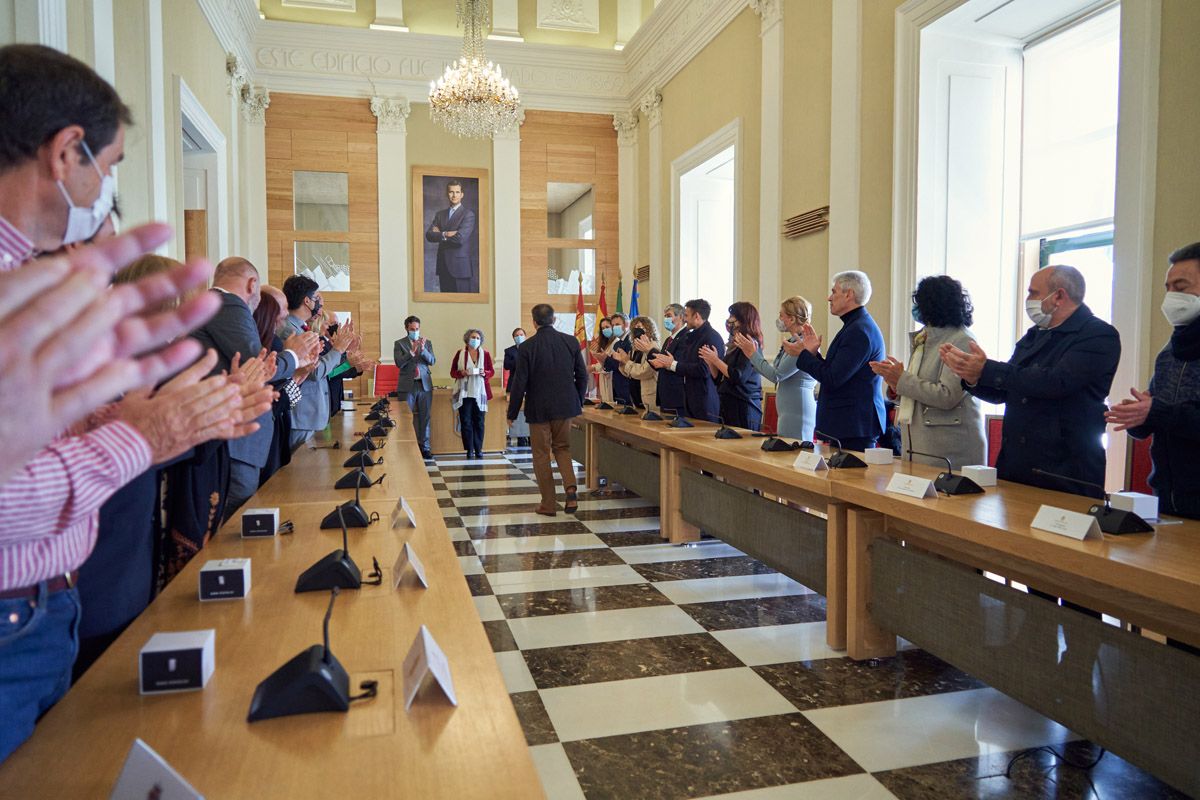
(190, 115)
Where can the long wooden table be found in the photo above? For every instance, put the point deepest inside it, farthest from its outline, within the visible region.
(376, 749)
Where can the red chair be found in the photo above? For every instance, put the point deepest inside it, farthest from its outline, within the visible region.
(995, 425)
(387, 378)
(770, 420)
(1140, 465)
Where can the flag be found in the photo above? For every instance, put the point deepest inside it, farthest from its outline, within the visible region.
(580, 328)
(633, 300)
(602, 302)
(620, 292)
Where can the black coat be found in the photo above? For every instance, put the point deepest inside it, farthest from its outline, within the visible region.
(670, 384)
(620, 384)
(699, 388)
(1054, 388)
(741, 393)
(551, 378)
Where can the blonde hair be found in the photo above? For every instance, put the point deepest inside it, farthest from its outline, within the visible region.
(798, 308)
(646, 324)
(152, 264)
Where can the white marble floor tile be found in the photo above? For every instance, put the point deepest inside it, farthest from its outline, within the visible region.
(561, 630)
(851, 787)
(537, 544)
(488, 607)
(470, 565)
(555, 770)
(894, 734)
(658, 553)
(527, 518)
(666, 701)
(515, 672)
(623, 525)
(442, 494)
(516, 482)
(469, 465)
(735, 587)
(776, 644)
(468, 504)
(577, 577)
(459, 535)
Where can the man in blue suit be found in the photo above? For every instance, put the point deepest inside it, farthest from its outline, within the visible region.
(699, 388)
(850, 405)
(452, 229)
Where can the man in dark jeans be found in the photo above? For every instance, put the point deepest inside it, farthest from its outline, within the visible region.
(550, 380)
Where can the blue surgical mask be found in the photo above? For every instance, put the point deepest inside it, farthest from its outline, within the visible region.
(519, 339)
(617, 330)
(669, 323)
(474, 342)
(607, 332)
(916, 315)
(414, 335)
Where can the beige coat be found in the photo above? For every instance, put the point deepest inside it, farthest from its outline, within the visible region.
(946, 420)
(647, 376)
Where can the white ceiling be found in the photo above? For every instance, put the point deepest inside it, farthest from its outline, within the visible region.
(1017, 20)
(560, 195)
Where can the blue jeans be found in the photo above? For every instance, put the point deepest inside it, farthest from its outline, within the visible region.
(38, 642)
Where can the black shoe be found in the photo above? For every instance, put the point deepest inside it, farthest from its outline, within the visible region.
(428, 456)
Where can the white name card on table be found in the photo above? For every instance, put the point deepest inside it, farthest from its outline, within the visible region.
(810, 461)
(408, 557)
(426, 658)
(147, 774)
(403, 512)
(911, 486)
(878, 455)
(1066, 523)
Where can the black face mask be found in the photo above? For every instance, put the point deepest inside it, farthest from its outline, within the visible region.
(318, 305)
(638, 333)
(731, 326)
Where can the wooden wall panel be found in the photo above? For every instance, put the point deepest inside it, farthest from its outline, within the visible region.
(576, 148)
(327, 134)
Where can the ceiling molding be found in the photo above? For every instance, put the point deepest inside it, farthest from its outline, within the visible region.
(235, 23)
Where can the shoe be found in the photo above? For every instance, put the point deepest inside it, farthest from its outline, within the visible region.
(427, 455)
(553, 512)
(572, 504)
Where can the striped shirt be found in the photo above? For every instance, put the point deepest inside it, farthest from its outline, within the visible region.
(49, 509)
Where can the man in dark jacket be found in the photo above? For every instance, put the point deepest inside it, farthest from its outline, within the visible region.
(551, 381)
(850, 406)
(670, 384)
(1170, 410)
(699, 388)
(519, 428)
(1053, 388)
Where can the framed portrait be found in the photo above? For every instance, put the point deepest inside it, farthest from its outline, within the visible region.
(450, 208)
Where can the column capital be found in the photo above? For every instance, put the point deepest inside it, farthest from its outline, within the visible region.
(391, 113)
(255, 101)
(650, 106)
(769, 11)
(239, 76)
(626, 125)
(512, 132)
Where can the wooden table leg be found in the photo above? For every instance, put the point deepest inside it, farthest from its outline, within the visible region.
(835, 576)
(590, 467)
(864, 639)
(673, 526)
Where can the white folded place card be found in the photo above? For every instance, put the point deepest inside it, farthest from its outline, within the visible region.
(225, 579)
(878, 455)
(177, 662)
(408, 558)
(810, 461)
(258, 522)
(403, 512)
(982, 475)
(1066, 523)
(1144, 505)
(426, 658)
(146, 774)
(911, 486)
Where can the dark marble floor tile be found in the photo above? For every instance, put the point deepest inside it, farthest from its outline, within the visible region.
(702, 568)
(516, 478)
(445, 502)
(479, 585)
(495, 507)
(592, 557)
(1035, 777)
(616, 513)
(632, 538)
(713, 759)
(535, 722)
(570, 601)
(496, 492)
(829, 682)
(751, 613)
(464, 548)
(454, 522)
(500, 636)
(439, 486)
(632, 658)
(608, 494)
(548, 528)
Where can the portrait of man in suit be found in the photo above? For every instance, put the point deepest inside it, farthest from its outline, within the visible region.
(450, 218)
(452, 231)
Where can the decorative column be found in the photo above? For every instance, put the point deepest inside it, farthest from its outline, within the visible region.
(504, 22)
(626, 126)
(506, 200)
(238, 77)
(391, 132)
(41, 22)
(663, 278)
(101, 50)
(845, 144)
(770, 182)
(253, 177)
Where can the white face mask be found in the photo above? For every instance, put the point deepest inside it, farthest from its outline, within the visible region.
(1033, 310)
(1181, 308)
(84, 221)
(780, 326)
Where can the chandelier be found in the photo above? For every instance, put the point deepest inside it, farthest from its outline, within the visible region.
(472, 99)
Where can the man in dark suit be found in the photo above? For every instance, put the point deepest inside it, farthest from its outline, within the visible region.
(233, 332)
(519, 428)
(699, 389)
(850, 406)
(551, 381)
(452, 229)
(1053, 388)
(670, 384)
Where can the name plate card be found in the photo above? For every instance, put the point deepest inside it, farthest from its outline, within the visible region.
(811, 462)
(403, 513)
(1066, 523)
(407, 558)
(147, 774)
(426, 658)
(911, 486)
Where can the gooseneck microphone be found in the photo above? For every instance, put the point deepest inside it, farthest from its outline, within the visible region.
(725, 432)
(947, 482)
(680, 421)
(841, 459)
(1112, 520)
(333, 593)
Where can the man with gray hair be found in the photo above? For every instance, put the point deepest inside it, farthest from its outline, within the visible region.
(850, 406)
(670, 385)
(1053, 388)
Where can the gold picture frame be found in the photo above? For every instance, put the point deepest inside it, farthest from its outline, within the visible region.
(435, 261)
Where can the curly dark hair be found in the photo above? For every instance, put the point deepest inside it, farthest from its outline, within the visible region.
(942, 302)
(749, 322)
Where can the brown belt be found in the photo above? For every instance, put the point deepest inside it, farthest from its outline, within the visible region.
(56, 584)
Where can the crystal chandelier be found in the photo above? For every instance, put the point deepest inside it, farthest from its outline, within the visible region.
(472, 99)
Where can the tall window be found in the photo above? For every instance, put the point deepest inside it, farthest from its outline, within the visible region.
(707, 217)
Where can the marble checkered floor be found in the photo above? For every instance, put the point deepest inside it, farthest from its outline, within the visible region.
(645, 670)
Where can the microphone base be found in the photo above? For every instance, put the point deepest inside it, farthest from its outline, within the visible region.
(587, 401)
(306, 684)
(378, 429)
(604, 407)
(680, 422)
(727, 433)
(352, 512)
(372, 417)
(650, 416)
(1116, 521)
(359, 460)
(628, 411)
(336, 569)
(387, 422)
(364, 444)
(948, 483)
(844, 460)
(357, 478)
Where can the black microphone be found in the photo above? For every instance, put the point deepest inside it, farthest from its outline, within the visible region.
(333, 593)
(627, 408)
(651, 416)
(355, 515)
(1112, 520)
(356, 477)
(336, 445)
(334, 571)
(726, 432)
(841, 459)
(680, 421)
(365, 443)
(947, 482)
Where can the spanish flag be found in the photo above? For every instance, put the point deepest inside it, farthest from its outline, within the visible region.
(580, 328)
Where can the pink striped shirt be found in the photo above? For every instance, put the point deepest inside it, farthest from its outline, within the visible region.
(49, 511)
